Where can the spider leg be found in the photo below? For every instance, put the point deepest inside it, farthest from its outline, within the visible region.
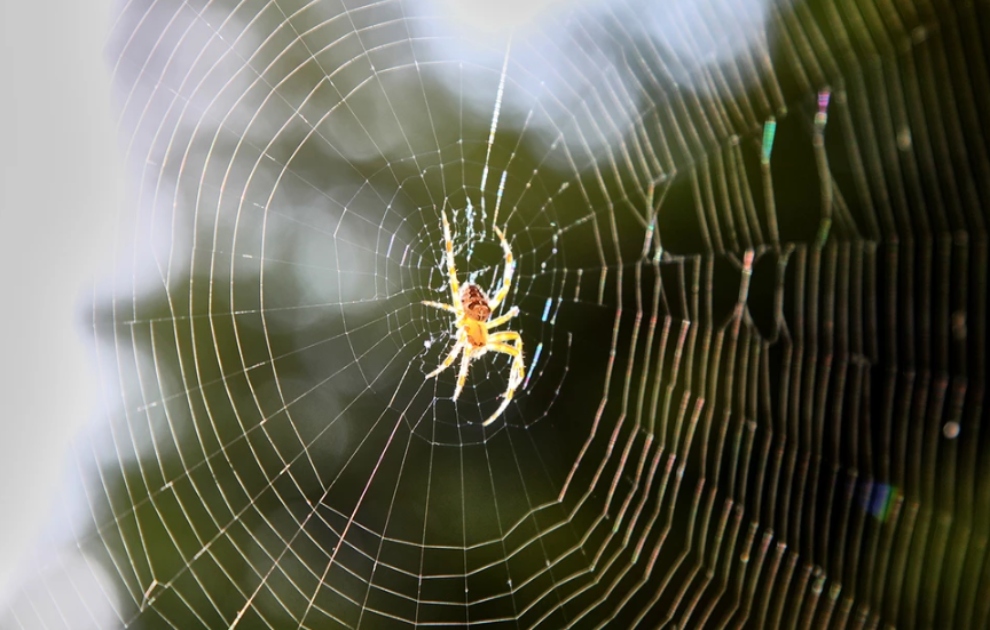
(462, 377)
(508, 338)
(497, 343)
(460, 345)
(502, 342)
(448, 242)
(441, 306)
(510, 266)
(504, 317)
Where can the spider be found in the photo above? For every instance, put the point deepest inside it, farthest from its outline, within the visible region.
(472, 308)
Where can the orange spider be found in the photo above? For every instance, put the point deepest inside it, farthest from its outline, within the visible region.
(472, 308)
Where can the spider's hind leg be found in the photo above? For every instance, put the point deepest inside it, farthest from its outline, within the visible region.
(501, 319)
(510, 266)
(448, 244)
(441, 306)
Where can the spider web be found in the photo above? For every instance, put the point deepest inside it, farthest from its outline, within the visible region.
(751, 268)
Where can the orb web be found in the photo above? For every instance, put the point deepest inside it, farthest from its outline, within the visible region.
(751, 268)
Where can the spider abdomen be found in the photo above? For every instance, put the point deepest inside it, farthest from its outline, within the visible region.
(475, 303)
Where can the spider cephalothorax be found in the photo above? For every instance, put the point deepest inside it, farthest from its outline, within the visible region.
(473, 309)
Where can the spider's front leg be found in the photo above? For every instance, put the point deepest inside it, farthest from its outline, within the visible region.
(462, 376)
(461, 344)
(508, 342)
